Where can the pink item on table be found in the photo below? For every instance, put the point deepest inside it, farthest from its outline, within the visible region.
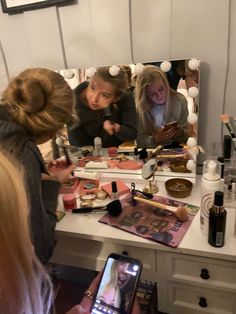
(112, 151)
(122, 188)
(129, 165)
(69, 201)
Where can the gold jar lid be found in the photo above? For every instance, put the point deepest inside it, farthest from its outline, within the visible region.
(101, 195)
(86, 203)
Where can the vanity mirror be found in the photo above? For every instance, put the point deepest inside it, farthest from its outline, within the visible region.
(182, 84)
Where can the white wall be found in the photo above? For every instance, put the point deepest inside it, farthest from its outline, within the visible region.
(98, 32)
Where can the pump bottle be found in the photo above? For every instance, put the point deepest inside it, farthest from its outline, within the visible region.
(217, 221)
(211, 182)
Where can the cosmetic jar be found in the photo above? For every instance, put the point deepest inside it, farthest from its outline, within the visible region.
(69, 201)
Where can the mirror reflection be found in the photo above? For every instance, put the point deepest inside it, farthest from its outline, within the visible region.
(142, 105)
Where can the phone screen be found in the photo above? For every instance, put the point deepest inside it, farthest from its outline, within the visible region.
(170, 125)
(118, 285)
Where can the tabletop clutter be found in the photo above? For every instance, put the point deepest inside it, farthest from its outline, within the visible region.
(162, 220)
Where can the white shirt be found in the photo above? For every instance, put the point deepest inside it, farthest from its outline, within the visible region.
(158, 113)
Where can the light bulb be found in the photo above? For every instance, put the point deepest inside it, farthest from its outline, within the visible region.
(114, 70)
(69, 74)
(165, 66)
(191, 142)
(194, 64)
(192, 118)
(191, 165)
(91, 71)
(193, 91)
(138, 68)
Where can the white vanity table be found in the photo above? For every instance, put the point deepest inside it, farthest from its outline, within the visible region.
(84, 242)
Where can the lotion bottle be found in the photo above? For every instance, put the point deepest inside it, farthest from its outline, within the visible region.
(211, 182)
(217, 221)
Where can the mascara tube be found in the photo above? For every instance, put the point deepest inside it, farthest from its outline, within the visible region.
(68, 160)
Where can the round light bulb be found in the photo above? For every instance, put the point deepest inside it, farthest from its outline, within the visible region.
(194, 64)
(193, 91)
(69, 74)
(114, 70)
(138, 68)
(191, 142)
(191, 165)
(91, 71)
(165, 66)
(192, 118)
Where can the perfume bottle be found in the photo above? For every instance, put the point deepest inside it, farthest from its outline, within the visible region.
(217, 221)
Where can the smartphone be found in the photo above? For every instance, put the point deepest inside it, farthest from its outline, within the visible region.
(171, 125)
(118, 285)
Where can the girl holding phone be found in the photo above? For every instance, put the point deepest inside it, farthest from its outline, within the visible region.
(158, 105)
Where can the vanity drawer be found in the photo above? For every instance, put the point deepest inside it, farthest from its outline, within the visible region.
(92, 254)
(203, 271)
(190, 300)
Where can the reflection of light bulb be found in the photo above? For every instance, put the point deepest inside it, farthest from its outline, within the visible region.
(190, 165)
(91, 71)
(68, 74)
(114, 70)
(193, 91)
(191, 142)
(193, 64)
(165, 66)
(138, 68)
(192, 118)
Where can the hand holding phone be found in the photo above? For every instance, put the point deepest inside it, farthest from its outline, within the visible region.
(118, 285)
(173, 124)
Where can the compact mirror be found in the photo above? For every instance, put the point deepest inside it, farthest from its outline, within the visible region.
(148, 173)
(183, 76)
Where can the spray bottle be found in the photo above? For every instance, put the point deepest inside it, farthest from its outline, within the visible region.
(211, 182)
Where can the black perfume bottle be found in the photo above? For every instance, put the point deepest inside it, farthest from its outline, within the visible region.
(217, 221)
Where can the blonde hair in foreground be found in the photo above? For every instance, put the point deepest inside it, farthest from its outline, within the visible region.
(25, 287)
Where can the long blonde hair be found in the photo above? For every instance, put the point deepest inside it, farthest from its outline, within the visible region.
(40, 100)
(25, 287)
(151, 74)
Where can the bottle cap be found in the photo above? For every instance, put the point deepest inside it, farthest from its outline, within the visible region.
(219, 198)
(211, 170)
(113, 186)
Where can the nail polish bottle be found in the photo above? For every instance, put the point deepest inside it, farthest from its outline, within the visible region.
(114, 192)
(217, 221)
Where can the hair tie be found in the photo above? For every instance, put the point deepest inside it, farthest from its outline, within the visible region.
(14, 107)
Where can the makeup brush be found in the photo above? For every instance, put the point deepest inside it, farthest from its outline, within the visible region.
(180, 212)
(60, 142)
(225, 119)
(114, 208)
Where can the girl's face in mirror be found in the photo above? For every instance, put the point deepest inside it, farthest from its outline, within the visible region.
(157, 92)
(100, 94)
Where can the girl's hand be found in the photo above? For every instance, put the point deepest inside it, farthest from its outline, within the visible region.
(86, 304)
(163, 134)
(108, 126)
(59, 171)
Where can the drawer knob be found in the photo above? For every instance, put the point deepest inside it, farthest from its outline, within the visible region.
(204, 274)
(203, 302)
(125, 253)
